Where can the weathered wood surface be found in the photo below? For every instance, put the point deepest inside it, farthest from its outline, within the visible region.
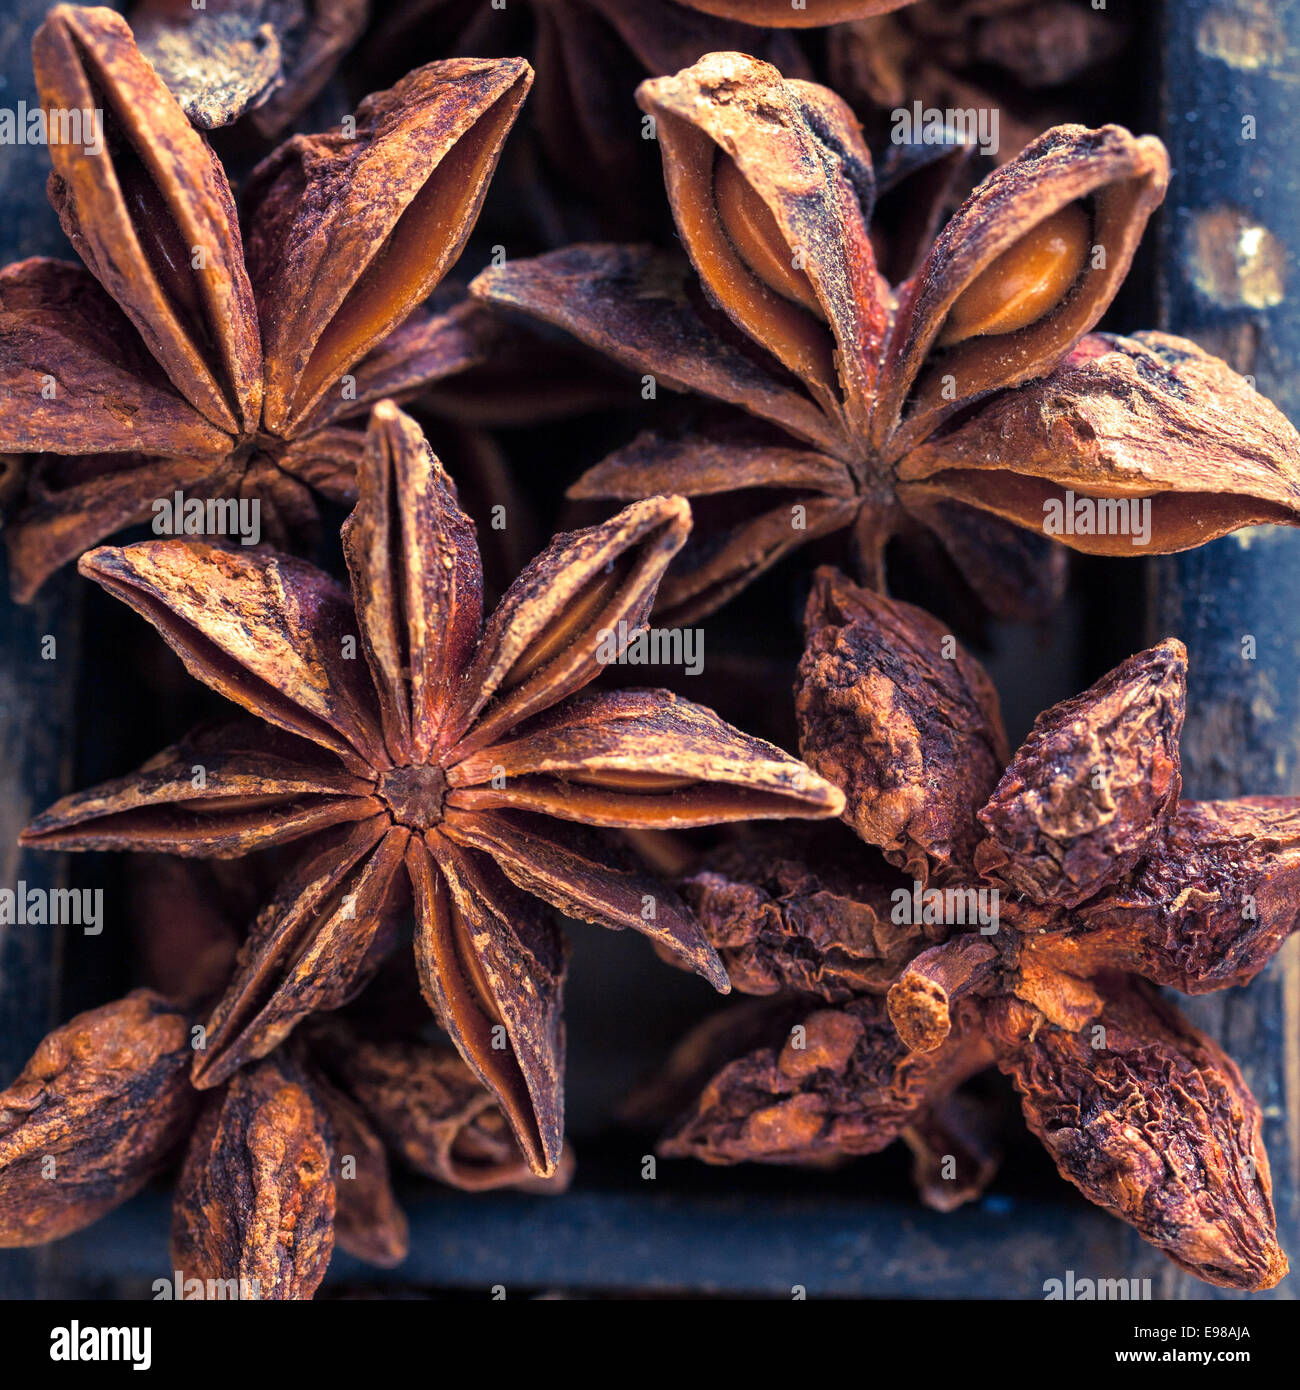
(1228, 279)
(722, 1237)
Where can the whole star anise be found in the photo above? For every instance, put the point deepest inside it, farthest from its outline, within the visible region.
(968, 401)
(1098, 873)
(217, 363)
(287, 1159)
(428, 741)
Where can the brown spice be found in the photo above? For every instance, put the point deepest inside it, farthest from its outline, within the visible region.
(1096, 868)
(102, 1105)
(836, 1082)
(289, 1158)
(456, 754)
(955, 402)
(186, 358)
(255, 1201)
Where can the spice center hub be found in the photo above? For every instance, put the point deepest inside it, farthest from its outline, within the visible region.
(414, 795)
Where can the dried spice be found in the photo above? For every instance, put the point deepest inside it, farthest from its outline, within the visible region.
(1150, 1120)
(1141, 1112)
(802, 909)
(969, 401)
(427, 1107)
(458, 754)
(265, 58)
(100, 1108)
(292, 1155)
(255, 1201)
(280, 1164)
(289, 1157)
(848, 376)
(191, 358)
(838, 1082)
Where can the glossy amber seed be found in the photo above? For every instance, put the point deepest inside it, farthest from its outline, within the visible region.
(615, 779)
(1026, 282)
(756, 238)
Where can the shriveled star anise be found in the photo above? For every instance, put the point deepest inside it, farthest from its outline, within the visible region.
(288, 1158)
(1101, 874)
(799, 1081)
(427, 744)
(285, 1159)
(963, 402)
(190, 357)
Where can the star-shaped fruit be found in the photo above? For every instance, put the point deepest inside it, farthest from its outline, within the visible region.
(284, 1161)
(432, 746)
(193, 357)
(1036, 890)
(971, 401)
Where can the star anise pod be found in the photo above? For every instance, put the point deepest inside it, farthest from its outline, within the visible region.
(803, 909)
(1098, 863)
(1100, 874)
(281, 1162)
(312, 1127)
(288, 1158)
(268, 59)
(101, 1107)
(457, 753)
(968, 402)
(801, 1082)
(206, 360)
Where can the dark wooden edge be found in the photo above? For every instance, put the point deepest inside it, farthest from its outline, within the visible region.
(1229, 119)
